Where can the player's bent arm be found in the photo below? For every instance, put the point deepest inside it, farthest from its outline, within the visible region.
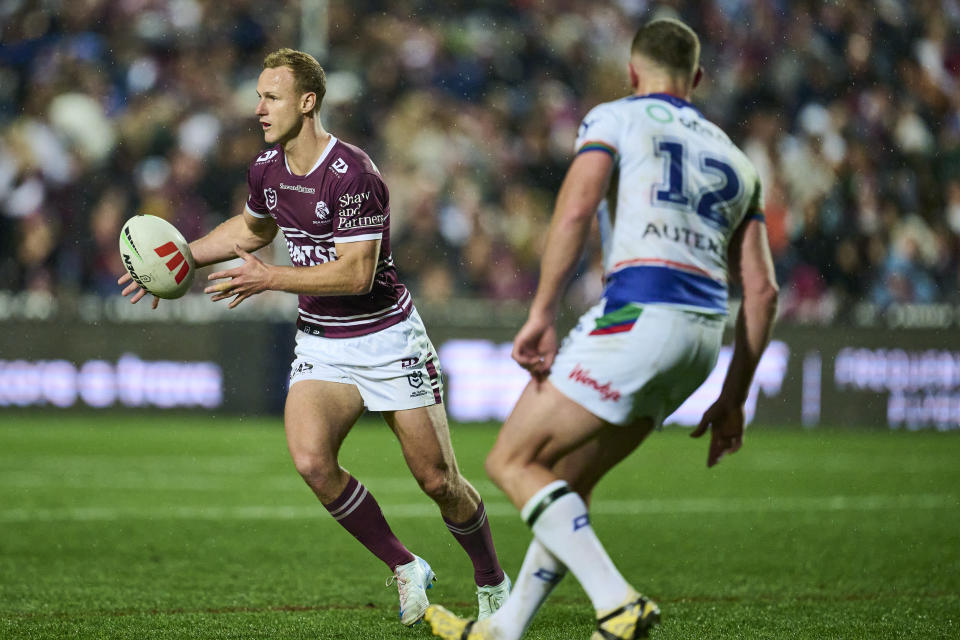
(753, 267)
(580, 194)
(245, 231)
(350, 274)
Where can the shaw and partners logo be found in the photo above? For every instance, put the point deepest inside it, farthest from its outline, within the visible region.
(582, 376)
(355, 223)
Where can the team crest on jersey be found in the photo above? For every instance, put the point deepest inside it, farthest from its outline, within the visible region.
(266, 156)
(323, 211)
(271, 197)
(340, 166)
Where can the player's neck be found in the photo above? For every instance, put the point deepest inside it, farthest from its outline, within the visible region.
(303, 151)
(647, 79)
(668, 87)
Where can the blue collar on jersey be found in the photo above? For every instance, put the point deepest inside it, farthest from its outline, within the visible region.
(666, 97)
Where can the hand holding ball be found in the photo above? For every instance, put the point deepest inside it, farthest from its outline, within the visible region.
(156, 256)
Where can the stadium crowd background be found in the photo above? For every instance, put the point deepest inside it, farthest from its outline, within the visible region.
(851, 111)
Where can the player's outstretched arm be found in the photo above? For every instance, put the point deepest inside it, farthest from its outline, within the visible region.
(245, 231)
(753, 264)
(583, 188)
(350, 274)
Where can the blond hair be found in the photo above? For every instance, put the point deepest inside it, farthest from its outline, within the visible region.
(670, 44)
(308, 75)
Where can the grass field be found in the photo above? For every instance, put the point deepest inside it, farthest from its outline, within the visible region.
(160, 527)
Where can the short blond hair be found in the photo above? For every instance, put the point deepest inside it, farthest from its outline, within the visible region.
(670, 44)
(308, 75)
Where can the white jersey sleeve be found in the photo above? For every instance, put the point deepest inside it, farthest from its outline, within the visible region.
(600, 130)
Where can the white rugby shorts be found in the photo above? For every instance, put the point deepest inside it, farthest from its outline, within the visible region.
(395, 368)
(621, 372)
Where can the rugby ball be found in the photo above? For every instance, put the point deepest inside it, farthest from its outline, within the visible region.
(156, 256)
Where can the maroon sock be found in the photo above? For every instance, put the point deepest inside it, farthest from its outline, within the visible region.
(358, 512)
(475, 538)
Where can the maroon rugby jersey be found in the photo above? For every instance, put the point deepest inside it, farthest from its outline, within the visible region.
(341, 199)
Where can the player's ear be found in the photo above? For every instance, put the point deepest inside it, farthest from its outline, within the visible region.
(634, 76)
(308, 102)
(697, 77)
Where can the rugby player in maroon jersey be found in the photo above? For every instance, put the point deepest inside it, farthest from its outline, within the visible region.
(360, 343)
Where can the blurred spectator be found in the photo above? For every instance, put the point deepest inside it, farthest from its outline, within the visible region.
(851, 112)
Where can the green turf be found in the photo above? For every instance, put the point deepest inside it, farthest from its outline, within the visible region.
(172, 527)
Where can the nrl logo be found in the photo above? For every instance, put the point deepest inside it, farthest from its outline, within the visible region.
(271, 197)
(415, 379)
(323, 211)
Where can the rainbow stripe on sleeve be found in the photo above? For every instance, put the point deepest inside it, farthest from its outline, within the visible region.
(596, 145)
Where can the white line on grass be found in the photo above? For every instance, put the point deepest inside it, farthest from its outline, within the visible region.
(287, 479)
(427, 509)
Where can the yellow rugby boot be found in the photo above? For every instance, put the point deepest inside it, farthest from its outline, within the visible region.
(633, 619)
(449, 626)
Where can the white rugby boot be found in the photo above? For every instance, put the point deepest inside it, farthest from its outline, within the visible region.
(413, 579)
(491, 598)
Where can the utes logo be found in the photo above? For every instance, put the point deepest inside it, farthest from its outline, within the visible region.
(268, 155)
(415, 379)
(323, 211)
(174, 262)
(271, 197)
(340, 166)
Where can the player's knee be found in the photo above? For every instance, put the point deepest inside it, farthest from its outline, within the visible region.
(313, 469)
(496, 467)
(439, 484)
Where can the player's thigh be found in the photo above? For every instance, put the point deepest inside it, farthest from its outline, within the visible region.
(583, 467)
(317, 417)
(544, 426)
(424, 437)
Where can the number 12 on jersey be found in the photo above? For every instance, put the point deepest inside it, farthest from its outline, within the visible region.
(710, 201)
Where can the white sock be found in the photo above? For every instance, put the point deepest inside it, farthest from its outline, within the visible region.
(540, 573)
(559, 519)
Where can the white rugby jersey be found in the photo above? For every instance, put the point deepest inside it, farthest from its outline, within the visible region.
(680, 190)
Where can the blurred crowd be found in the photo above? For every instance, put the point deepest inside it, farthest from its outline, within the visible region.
(850, 110)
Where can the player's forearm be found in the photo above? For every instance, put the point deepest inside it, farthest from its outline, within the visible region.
(337, 278)
(565, 243)
(219, 244)
(752, 334)
(566, 238)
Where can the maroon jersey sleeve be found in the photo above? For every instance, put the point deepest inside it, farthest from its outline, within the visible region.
(361, 209)
(256, 198)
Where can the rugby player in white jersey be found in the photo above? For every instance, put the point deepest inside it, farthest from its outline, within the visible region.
(360, 344)
(681, 200)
